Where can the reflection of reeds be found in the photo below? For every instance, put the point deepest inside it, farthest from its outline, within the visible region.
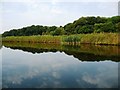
(82, 52)
(101, 50)
(84, 48)
(33, 45)
(0, 42)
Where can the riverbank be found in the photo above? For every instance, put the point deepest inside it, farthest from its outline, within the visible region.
(94, 38)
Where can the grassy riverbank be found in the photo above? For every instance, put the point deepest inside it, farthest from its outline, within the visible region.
(34, 39)
(94, 38)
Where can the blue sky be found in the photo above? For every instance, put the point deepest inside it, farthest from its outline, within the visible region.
(17, 13)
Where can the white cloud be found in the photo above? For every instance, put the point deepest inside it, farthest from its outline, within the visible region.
(50, 12)
(56, 10)
(56, 1)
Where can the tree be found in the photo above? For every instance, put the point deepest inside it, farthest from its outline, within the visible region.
(118, 27)
(82, 25)
(115, 19)
(81, 21)
(85, 29)
(97, 28)
(105, 27)
(58, 31)
(69, 28)
(91, 20)
(101, 19)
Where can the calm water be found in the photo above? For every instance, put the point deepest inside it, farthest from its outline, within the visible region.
(28, 67)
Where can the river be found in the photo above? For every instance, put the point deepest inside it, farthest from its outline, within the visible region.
(56, 66)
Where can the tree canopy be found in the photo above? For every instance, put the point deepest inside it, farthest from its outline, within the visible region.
(83, 25)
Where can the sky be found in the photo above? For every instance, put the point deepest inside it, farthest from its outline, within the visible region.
(16, 14)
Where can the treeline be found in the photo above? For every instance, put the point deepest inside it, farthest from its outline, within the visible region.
(83, 25)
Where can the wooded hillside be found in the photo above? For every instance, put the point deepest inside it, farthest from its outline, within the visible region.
(83, 25)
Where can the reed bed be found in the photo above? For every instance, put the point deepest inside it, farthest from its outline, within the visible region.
(94, 38)
(34, 39)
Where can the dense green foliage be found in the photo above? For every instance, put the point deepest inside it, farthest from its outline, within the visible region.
(83, 25)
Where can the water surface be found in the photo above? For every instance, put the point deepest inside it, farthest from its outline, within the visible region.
(59, 66)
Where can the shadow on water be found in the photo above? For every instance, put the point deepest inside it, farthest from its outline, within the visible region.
(51, 70)
(82, 52)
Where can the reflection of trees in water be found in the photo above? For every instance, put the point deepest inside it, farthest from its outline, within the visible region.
(92, 57)
(0, 45)
(83, 52)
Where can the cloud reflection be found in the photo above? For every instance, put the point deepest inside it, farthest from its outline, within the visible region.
(55, 70)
